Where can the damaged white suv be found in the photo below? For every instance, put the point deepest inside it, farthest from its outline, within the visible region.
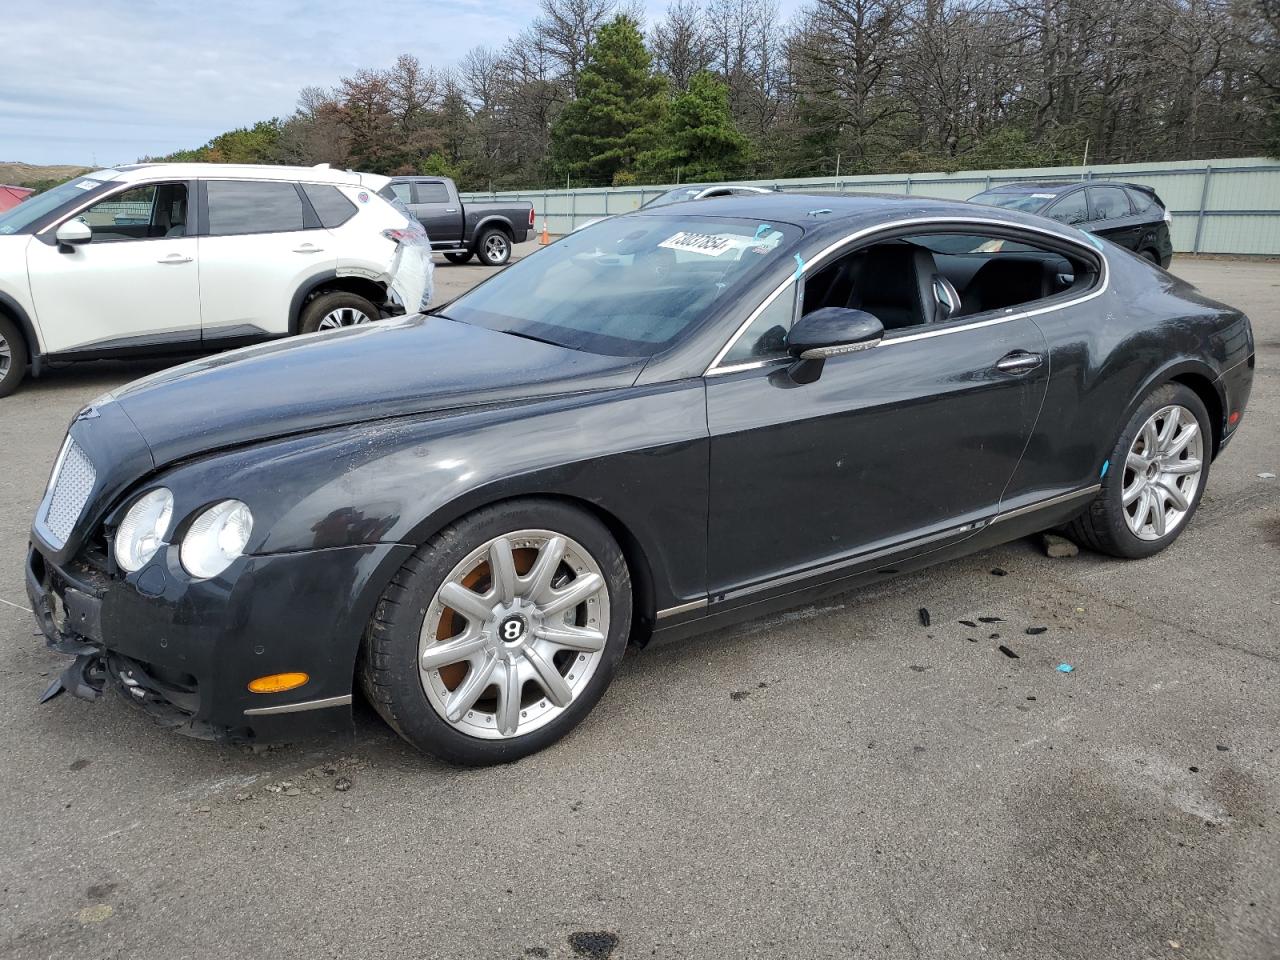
(194, 257)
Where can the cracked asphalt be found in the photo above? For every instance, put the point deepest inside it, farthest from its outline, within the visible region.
(836, 781)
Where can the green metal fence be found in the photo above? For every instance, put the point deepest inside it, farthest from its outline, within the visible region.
(1227, 206)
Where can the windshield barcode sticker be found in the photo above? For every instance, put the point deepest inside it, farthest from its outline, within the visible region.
(707, 244)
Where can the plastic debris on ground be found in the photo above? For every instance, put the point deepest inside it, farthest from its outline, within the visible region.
(924, 617)
(1065, 668)
(1266, 476)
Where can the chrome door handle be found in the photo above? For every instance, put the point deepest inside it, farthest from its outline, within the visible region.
(308, 248)
(1020, 361)
(451, 210)
(174, 258)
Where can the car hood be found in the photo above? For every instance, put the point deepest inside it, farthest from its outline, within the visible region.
(392, 368)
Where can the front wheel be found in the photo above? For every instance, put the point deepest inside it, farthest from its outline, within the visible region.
(1156, 475)
(494, 247)
(13, 356)
(500, 634)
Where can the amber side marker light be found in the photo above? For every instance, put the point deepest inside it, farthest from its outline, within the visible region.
(278, 682)
(1234, 418)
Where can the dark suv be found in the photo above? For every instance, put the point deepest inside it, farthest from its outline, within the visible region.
(1125, 213)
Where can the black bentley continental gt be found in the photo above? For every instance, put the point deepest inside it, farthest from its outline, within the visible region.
(667, 422)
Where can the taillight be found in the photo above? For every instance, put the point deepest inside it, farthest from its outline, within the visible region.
(397, 235)
(531, 216)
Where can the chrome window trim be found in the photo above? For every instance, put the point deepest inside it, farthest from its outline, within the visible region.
(714, 370)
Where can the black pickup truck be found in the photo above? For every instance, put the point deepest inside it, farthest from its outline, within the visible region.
(460, 230)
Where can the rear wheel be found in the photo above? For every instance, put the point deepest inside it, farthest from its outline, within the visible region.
(1155, 477)
(500, 634)
(13, 356)
(494, 247)
(1150, 256)
(458, 258)
(333, 311)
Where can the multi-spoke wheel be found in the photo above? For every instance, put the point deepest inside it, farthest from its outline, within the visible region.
(501, 633)
(1162, 472)
(1156, 475)
(335, 311)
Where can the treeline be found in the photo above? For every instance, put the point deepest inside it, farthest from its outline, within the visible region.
(724, 88)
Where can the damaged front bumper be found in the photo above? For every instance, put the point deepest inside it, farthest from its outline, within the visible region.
(185, 650)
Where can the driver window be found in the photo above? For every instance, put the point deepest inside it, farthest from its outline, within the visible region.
(154, 211)
(766, 338)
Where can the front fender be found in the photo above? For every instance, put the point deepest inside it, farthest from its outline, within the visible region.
(638, 455)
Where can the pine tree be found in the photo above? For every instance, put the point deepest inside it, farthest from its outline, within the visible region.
(618, 112)
(699, 137)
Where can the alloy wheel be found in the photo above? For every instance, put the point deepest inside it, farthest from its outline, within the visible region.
(6, 357)
(514, 634)
(495, 247)
(1162, 472)
(343, 317)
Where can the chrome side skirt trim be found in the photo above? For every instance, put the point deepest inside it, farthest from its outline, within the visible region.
(341, 701)
(1051, 502)
(682, 608)
(864, 558)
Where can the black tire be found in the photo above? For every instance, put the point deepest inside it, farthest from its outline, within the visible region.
(1102, 526)
(458, 258)
(13, 356)
(1150, 256)
(388, 664)
(320, 307)
(493, 247)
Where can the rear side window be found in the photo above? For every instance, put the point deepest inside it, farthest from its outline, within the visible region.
(253, 206)
(401, 191)
(1142, 202)
(330, 205)
(432, 192)
(1109, 203)
(1071, 209)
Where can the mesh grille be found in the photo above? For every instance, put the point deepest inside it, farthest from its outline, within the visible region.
(71, 488)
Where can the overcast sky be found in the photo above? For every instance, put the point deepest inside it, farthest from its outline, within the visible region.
(98, 82)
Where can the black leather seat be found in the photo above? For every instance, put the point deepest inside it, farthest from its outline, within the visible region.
(894, 283)
(1006, 282)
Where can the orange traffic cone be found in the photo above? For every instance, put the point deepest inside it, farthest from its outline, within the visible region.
(546, 237)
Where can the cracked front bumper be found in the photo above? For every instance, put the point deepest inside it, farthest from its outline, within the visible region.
(185, 650)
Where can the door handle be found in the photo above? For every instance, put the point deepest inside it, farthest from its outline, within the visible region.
(1020, 361)
(308, 248)
(174, 258)
(451, 210)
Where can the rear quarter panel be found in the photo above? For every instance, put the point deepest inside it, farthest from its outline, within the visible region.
(1107, 354)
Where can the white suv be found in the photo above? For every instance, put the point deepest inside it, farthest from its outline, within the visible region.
(194, 257)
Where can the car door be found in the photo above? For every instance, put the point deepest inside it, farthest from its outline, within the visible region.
(905, 443)
(259, 245)
(1111, 216)
(135, 285)
(439, 210)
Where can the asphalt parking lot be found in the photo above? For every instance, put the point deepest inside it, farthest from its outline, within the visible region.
(837, 781)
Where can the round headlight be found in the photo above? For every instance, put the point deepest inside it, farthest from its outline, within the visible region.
(216, 538)
(143, 529)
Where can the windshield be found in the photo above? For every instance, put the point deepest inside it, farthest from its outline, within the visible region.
(629, 286)
(33, 208)
(1026, 202)
(674, 196)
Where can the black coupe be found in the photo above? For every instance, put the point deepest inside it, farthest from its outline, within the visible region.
(666, 422)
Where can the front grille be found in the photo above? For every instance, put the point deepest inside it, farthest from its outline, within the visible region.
(73, 480)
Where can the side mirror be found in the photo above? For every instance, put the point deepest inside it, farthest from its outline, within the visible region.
(72, 234)
(829, 332)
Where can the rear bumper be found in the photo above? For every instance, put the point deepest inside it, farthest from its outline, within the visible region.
(185, 650)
